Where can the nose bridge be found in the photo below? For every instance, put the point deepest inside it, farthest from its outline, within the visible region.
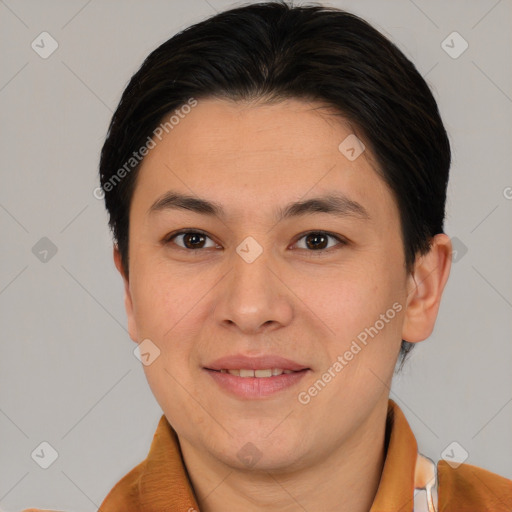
(252, 295)
(251, 264)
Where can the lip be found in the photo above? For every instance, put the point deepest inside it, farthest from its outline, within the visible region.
(239, 361)
(255, 387)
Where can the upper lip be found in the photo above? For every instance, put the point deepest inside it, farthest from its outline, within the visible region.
(239, 361)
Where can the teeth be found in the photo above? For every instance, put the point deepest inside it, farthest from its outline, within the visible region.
(271, 372)
(263, 373)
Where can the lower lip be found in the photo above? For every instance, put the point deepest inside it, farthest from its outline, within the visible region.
(256, 387)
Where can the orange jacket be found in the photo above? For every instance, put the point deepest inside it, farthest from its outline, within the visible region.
(465, 488)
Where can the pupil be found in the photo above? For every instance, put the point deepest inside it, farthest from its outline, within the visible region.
(316, 238)
(195, 237)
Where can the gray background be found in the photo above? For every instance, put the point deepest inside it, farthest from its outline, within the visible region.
(67, 369)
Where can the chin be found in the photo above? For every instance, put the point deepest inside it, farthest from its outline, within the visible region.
(252, 459)
(261, 452)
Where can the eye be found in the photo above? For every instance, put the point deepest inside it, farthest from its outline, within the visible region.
(190, 240)
(317, 241)
(314, 241)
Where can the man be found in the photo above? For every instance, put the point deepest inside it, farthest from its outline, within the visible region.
(276, 179)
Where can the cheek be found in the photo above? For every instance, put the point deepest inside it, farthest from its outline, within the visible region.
(365, 311)
(354, 299)
(167, 309)
(161, 299)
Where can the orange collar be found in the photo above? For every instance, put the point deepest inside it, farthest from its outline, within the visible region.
(395, 491)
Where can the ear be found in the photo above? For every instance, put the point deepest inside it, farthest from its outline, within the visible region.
(128, 304)
(425, 286)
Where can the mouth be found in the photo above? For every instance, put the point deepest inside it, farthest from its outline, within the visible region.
(246, 377)
(253, 384)
(261, 364)
(259, 374)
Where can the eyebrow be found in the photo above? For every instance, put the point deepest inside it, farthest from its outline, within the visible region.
(336, 204)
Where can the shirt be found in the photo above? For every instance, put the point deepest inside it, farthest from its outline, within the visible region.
(409, 482)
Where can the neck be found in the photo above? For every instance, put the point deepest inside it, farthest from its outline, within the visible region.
(346, 480)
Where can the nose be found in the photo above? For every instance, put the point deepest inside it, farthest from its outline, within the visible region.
(253, 297)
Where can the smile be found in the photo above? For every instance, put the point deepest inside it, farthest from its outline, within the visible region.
(256, 384)
(271, 372)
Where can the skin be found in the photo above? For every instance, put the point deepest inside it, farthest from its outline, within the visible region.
(305, 304)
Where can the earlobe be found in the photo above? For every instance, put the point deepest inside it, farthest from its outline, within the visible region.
(128, 303)
(425, 288)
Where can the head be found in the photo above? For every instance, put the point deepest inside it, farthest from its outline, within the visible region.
(276, 179)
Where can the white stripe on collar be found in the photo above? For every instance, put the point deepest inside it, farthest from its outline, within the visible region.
(425, 485)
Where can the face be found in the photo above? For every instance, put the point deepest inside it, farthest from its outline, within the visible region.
(316, 290)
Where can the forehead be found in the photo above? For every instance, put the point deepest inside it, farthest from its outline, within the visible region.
(249, 155)
(228, 130)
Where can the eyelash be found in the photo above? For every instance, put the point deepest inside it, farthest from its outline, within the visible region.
(341, 241)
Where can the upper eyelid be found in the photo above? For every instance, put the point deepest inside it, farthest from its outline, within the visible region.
(172, 235)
